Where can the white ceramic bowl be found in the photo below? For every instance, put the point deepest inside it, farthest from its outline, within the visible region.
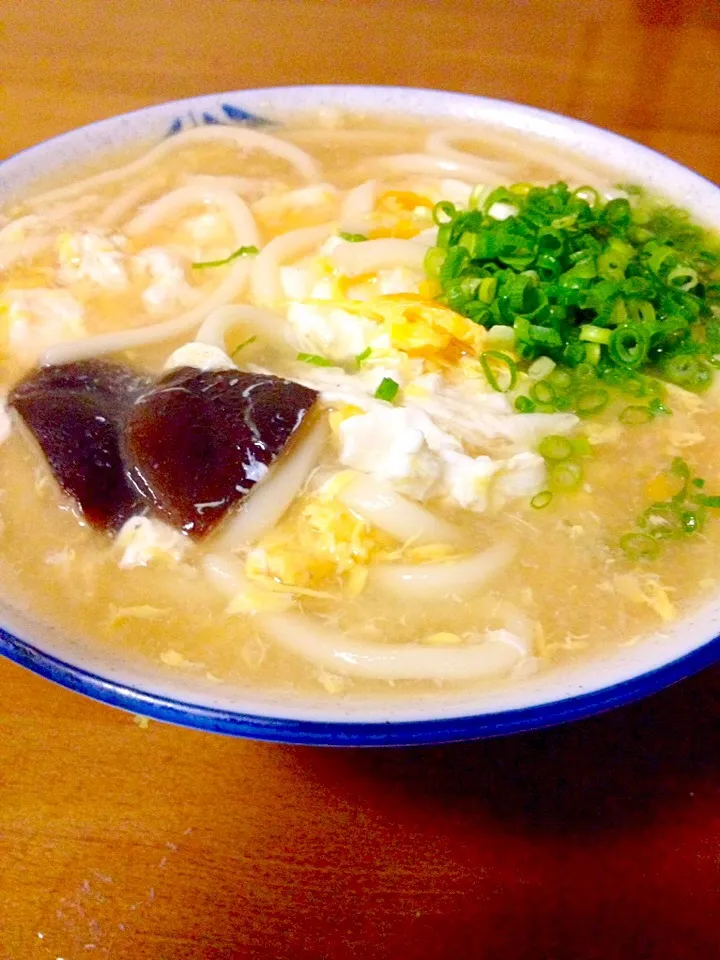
(562, 693)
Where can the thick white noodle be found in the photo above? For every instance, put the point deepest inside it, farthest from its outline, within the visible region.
(12, 229)
(230, 287)
(127, 201)
(436, 581)
(244, 140)
(357, 206)
(354, 259)
(395, 514)
(25, 250)
(63, 213)
(226, 573)
(265, 283)
(168, 206)
(439, 143)
(429, 165)
(497, 653)
(512, 618)
(255, 320)
(244, 186)
(267, 503)
(318, 196)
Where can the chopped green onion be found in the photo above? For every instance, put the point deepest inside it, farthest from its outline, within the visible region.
(555, 447)
(682, 278)
(707, 501)
(387, 390)
(682, 514)
(542, 392)
(588, 403)
(240, 346)
(635, 414)
(617, 212)
(641, 311)
(477, 197)
(315, 360)
(658, 408)
(352, 237)
(507, 362)
(443, 212)
(687, 371)
(500, 336)
(588, 194)
(562, 401)
(594, 334)
(680, 469)
(560, 378)
(663, 521)
(487, 289)
(693, 521)
(434, 259)
(593, 353)
(362, 357)
(629, 345)
(639, 546)
(584, 371)
(612, 287)
(565, 475)
(634, 386)
(581, 447)
(541, 368)
(524, 405)
(240, 252)
(541, 500)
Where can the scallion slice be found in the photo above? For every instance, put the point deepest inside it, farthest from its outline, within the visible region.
(541, 500)
(241, 346)
(240, 252)
(639, 546)
(315, 360)
(362, 357)
(486, 360)
(352, 237)
(591, 402)
(387, 389)
(565, 476)
(593, 334)
(555, 447)
(635, 414)
(542, 392)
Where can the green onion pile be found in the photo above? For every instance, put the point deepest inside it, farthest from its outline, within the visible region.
(615, 293)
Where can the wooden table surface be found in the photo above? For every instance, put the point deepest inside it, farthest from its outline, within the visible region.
(598, 840)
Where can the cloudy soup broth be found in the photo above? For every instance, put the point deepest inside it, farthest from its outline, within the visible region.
(354, 405)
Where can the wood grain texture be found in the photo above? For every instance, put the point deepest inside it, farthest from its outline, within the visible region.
(599, 840)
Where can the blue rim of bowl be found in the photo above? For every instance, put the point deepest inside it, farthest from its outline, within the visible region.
(358, 733)
(354, 734)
